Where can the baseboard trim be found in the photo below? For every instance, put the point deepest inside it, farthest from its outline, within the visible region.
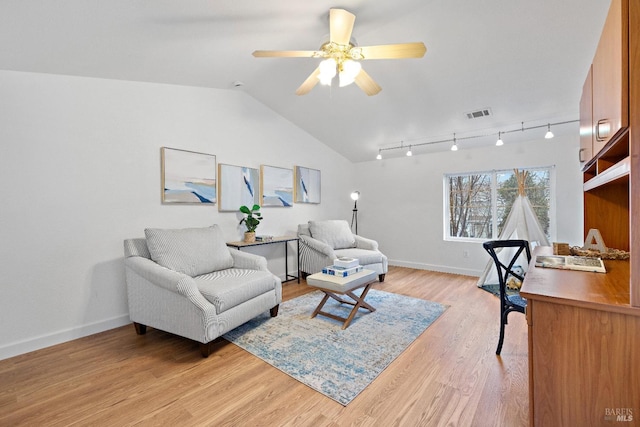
(438, 268)
(44, 341)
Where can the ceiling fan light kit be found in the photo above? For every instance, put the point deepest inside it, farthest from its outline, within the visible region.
(341, 57)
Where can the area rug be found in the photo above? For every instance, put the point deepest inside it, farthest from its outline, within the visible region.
(495, 289)
(317, 352)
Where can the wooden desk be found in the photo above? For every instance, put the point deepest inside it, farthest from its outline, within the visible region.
(584, 346)
(280, 239)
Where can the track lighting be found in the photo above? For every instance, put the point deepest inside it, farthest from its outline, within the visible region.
(549, 134)
(409, 153)
(454, 147)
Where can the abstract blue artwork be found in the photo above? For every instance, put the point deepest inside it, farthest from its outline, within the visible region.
(276, 186)
(188, 177)
(307, 185)
(238, 185)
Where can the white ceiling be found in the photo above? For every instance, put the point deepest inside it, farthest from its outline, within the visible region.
(526, 60)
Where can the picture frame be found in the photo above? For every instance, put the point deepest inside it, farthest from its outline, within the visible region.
(237, 186)
(188, 177)
(276, 186)
(307, 188)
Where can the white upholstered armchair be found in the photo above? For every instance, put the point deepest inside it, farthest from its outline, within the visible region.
(323, 241)
(187, 282)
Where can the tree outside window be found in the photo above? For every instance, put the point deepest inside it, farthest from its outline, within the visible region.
(479, 203)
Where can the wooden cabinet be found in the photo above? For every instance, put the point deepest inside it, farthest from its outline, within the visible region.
(584, 351)
(584, 328)
(607, 85)
(586, 119)
(610, 76)
(610, 198)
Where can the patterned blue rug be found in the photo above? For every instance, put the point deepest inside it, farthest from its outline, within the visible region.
(317, 352)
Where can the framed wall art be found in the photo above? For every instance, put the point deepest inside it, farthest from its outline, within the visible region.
(276, 186)
(188, 177)
(307, 185)
(237, 186)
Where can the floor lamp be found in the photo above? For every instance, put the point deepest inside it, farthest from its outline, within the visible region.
(354, 218)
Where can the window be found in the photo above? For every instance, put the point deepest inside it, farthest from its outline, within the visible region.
(478, 204)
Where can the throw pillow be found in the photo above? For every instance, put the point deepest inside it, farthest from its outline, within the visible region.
(192, 251)
(336, 233)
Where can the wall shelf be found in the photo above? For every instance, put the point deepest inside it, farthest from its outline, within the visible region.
(619, 171)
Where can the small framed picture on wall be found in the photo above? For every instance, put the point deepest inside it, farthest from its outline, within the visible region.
(188, 177)
(307, 185)
(276, 186)
(237, 186)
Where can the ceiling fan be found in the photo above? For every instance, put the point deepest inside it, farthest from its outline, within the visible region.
(342, 57)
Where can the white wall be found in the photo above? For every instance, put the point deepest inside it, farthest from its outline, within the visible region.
(80, 172)
(401, 204)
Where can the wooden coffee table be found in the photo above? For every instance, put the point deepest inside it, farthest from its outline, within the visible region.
(334, 286)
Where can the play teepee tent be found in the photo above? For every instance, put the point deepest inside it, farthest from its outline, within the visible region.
(521, 223)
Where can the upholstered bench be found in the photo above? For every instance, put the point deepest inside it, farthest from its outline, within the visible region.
(332, 286)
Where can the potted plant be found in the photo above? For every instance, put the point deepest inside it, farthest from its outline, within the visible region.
(251, 220)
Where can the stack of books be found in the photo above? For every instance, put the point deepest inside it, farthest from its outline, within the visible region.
(343, 267)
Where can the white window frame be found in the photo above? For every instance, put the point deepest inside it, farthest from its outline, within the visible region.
(494, 202)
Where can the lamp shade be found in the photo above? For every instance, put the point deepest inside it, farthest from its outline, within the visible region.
(327, 71)
(348, 72)
(355, 195)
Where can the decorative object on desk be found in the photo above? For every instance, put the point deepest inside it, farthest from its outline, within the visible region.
(594, 247)
(188, 177)
(354, 216)
(561, 249)
(276, 186)
(569, 262)
(594, 241)
(251, 220)
(337, 363)
(307, 185)
(613, 254)
(237, 185)
(264, 238)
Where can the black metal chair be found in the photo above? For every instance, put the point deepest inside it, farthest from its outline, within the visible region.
(508, 303)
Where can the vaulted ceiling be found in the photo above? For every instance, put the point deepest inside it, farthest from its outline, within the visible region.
(523, 60)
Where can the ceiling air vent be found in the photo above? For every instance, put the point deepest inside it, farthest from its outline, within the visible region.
(479, 113)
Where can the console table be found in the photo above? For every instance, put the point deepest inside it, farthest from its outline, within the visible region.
(280, 239)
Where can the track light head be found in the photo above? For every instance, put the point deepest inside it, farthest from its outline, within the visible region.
(549, 134)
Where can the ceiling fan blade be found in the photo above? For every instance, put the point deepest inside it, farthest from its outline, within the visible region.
(309, 84)
(286, 54)
(367, 84)
(340, 26)
(392, 51)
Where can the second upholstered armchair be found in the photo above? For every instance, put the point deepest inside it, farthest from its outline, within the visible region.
(321, 242)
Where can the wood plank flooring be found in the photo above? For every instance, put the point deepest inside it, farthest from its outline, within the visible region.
(449, 376)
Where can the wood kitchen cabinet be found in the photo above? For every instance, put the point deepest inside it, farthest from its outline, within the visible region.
(610, 76)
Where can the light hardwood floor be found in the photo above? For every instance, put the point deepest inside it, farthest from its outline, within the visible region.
(449, 376)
